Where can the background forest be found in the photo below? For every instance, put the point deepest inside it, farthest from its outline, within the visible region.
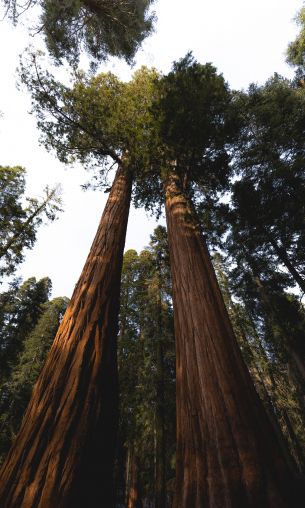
(231, 161)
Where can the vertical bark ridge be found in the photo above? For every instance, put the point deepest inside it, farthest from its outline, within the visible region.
(63, 453)
(227, 455)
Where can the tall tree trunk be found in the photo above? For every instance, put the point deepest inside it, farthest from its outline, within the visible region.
(227, 453)
(63, 454)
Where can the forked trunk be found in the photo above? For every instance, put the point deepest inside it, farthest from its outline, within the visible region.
(227, 453)
(63, 454)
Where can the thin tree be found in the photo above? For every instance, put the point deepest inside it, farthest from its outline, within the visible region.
(20, 217)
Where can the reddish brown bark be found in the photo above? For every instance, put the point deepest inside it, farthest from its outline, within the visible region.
(63, 454)
(227, 453)
(134, 497)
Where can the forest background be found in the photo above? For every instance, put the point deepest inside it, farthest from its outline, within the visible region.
(246, 41)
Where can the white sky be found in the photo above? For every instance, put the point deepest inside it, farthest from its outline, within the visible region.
(245, 39)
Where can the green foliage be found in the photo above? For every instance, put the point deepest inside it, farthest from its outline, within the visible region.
(98, 121)
(146, 330)
(182, 121)
(296, 49)
(20, 217)
(193, 114)
(268, 201)
(193, 107)
(20, 309)
(16, 391)
(115, 27)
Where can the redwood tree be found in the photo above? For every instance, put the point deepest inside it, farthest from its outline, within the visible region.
(227, 453)
(64, 450)
(63, 453)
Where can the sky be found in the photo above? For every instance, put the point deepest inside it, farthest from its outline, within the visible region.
(245, 39)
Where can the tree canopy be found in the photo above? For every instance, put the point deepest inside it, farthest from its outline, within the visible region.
(102, 29)
(296, 49)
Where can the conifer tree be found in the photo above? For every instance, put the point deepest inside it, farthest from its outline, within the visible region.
(97, 119)
(227, 451)
(147, 389)
(115, 28)
(19, 221)
(268, 196)
(20, 309)
(16, 391)
(262, 343)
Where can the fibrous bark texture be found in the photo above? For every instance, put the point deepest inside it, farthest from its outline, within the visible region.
(227, 453)
(63, 454)
(134, 496)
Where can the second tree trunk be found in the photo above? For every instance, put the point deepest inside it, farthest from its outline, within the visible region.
(227, 454)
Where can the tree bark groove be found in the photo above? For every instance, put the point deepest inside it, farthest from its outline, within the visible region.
(63, 454)
(227, 454)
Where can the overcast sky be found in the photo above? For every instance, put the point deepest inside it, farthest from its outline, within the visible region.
(245, 39)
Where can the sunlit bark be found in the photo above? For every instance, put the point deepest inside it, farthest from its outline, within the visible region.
(63, 454)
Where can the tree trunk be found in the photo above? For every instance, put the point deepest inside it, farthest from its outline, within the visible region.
(160, 487)
(63, 454)
(227, 453)
(283, 257)
(259, 381)
(134, 497)
(294, 347)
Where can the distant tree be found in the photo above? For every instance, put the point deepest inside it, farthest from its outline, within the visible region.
(102, 29)
(20, 217)
(269, 194)
(20, 309)
(16, 391)
(147, 389)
